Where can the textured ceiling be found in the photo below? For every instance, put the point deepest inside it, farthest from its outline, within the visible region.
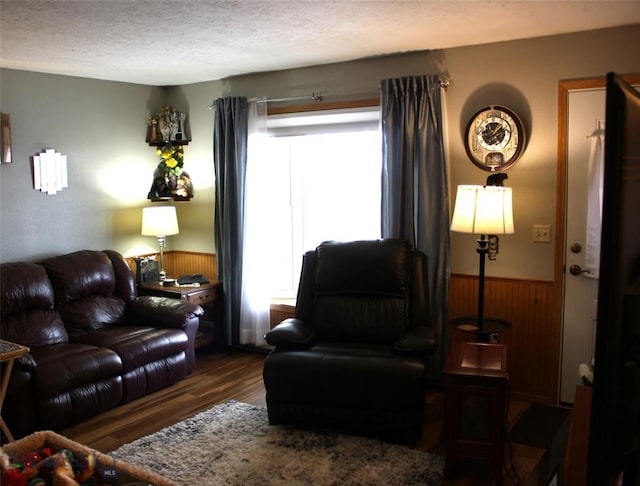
(159, 42)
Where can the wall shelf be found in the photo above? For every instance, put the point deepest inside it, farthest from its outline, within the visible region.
(162, 143)
(170, 198)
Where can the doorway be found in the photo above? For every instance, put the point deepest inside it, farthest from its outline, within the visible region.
(581, 115)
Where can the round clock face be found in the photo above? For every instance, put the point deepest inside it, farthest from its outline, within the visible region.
(494, 138)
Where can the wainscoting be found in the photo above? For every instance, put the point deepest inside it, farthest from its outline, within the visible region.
(178, 263)
(281, 310)
(533, 342)
(532, 307)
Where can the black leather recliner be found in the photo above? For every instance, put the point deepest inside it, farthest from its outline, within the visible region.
(355, 356)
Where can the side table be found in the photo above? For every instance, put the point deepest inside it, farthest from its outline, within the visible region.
(205, 295)
(9, 352)
(491, 327)
(476, 401)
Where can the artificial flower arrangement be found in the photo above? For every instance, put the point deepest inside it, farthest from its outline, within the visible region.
(171, 159)
(169, 180)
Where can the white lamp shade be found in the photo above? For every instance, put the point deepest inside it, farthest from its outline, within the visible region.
(483, 210)
(159, 221)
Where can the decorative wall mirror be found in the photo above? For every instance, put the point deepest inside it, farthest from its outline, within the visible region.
(5, 138)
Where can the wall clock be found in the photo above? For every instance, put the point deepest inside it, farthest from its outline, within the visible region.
(494, 138)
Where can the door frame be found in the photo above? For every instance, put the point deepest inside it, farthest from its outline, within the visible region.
(564, 88)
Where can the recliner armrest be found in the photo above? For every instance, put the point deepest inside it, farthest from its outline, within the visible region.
(419, 340)
(291, 332)
(162, 312)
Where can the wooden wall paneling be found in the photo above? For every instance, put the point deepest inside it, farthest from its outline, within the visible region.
(534, 339)
(186, 263)
(280, 312)
(178, 263)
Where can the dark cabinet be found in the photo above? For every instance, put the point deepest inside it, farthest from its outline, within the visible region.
(476, 401)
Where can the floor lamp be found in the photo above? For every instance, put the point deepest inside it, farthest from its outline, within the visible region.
(485, 211)
(160, 221)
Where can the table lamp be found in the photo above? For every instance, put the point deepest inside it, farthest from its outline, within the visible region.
(160, 222)
(485, 211)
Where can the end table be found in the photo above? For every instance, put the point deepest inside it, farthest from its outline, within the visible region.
(9, 352)
(476, 402)
(205, 295)
(491, 327)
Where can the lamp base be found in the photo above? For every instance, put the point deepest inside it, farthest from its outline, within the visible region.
(163, 275)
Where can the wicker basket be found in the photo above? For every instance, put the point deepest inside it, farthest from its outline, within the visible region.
(115, 472)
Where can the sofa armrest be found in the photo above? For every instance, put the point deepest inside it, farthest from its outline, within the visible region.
(291, 332)
(162, 312)
(419, 340)
(19, 409)
(26, 362)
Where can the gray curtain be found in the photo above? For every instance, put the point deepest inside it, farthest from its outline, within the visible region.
(415, 196)
(230, 163)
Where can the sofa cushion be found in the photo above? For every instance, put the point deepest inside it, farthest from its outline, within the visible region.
(137, 346)
(62, 368)
(84, 283)
(79, 274)
(92, 313)
(26, 306)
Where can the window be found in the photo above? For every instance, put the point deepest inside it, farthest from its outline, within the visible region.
(324, 183)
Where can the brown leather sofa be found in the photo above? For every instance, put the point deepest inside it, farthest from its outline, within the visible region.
(94, 344)
(356, 354)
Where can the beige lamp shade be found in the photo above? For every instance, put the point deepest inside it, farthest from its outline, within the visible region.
(159, 221)
(483, 210)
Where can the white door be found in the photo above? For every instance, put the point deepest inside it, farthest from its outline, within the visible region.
(585, 115)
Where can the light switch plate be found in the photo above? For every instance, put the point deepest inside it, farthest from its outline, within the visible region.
(542, 233)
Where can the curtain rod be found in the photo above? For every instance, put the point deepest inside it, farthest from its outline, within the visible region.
(318, 97)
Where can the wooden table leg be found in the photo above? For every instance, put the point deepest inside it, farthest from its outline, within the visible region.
(3, 391)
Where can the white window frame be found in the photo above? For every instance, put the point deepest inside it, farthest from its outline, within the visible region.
(303, 123)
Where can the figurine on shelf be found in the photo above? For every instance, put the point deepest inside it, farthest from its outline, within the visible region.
(184, 188)
(168, 121)
(152, 133)
(160, 188)
(167, 126)
(179, 135)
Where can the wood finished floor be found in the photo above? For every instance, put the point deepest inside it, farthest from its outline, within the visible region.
(237, 375)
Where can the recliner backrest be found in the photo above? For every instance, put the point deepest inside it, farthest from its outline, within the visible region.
(358, 291)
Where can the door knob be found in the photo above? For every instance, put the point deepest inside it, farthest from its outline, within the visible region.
(577, 270)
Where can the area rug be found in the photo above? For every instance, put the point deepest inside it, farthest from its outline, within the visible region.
(233, 444)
